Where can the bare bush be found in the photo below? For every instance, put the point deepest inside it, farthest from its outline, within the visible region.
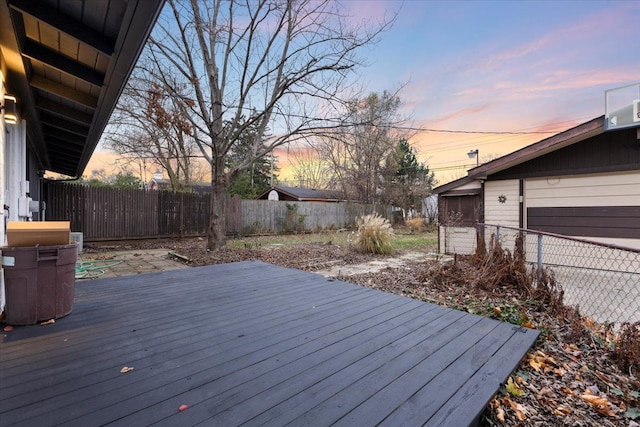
(626, 353)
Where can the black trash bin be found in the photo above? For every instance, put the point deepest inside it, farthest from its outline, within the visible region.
(39, 282)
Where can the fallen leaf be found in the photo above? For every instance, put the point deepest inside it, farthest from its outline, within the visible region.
(528, 324)
(513, 389)
(48, 322)
(126, 369)
(500, 415)
(545, 392)
(606, 410)
(516, 407)
(594, 400)
(559, 371)
(183, 408)
(573, 351)
(632, 413)
(561, 411)
(589, 322)
(8, 328)
(617, 391)
(535, 364)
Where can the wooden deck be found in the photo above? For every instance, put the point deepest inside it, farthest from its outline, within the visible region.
(253, 343)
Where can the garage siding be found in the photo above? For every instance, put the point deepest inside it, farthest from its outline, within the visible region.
(621, 189)
(601, 207)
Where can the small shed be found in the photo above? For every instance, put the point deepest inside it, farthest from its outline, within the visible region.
(297, 194)
(583, 182)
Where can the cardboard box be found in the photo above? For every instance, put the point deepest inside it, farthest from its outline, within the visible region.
(43, 233)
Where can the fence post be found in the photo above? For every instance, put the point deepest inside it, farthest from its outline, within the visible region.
(539, 271)
(497, 233)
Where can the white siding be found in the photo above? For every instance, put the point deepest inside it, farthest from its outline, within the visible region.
(497, 213)
(457, 240)
(619, 189)
(504, 214)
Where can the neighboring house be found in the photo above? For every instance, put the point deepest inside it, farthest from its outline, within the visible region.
(295, 194)
(430, 209)
(165, 184)
(583, 182)
(63, 66)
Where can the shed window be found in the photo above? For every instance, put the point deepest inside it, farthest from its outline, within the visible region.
(460, 210)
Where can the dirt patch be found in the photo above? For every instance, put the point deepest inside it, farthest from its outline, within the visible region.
(404, 261)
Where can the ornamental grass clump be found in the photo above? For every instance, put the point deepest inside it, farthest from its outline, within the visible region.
(375, 235)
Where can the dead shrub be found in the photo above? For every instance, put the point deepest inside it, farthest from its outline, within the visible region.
(626, 352)
(497, 269)
(415, 225)
(481, 248)
(443, 275)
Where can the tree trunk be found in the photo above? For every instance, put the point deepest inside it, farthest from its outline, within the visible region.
(218, 224)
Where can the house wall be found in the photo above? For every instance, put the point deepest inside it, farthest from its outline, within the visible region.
(600, 207)
(2, 185)
(14, 184)
(502, 202)
(459, 210)
(502, 207)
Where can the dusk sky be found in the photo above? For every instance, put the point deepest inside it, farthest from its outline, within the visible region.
(499, 66)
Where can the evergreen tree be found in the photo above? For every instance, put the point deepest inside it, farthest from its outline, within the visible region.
(408, 182)
(257, 177)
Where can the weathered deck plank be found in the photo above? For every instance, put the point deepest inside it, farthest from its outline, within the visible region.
(257, 344)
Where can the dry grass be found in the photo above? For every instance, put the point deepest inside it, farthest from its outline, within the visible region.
(374, 235)
(415, 225)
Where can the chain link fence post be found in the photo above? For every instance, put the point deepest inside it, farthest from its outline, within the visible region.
(539, 272)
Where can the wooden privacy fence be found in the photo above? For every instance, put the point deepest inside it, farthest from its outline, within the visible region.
(266, 216)
(105, 213)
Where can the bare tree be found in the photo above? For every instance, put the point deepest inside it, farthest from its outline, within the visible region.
(358, 152)
(150, 125)
(311, 169)
(277, 64)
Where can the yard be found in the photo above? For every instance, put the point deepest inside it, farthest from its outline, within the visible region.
(578, 373)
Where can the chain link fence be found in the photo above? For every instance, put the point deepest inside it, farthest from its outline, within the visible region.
(602, 280)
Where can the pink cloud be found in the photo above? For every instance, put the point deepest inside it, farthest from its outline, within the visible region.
(364, 11)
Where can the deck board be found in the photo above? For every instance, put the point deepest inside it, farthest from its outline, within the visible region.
(252, 343)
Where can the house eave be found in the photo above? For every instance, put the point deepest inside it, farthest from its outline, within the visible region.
(49, 83)
(556, 142)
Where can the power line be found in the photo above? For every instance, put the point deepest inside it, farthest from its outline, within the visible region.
(446, 168)
(480, 132)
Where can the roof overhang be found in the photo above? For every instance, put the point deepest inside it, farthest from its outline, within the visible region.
(564, 139)
(561, 140)
(67, 64)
